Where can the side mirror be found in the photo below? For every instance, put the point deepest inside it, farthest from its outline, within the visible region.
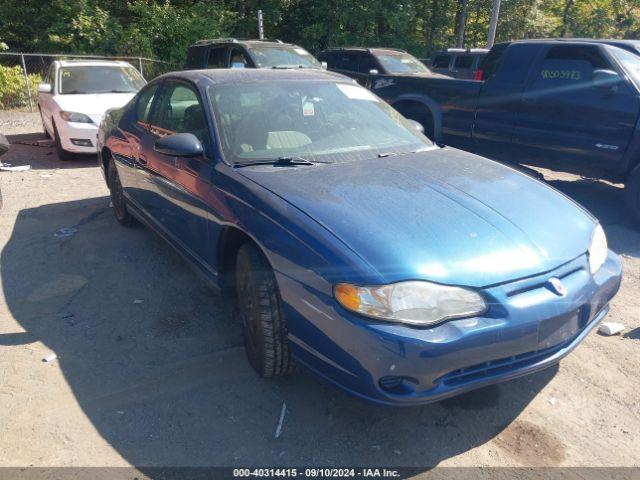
(179, 145)
(416, 125)
(324, 65)
(45, 88)
(374, 71)
(605, 79)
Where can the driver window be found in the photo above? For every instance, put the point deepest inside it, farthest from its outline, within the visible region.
(238, 58)
(567, 66)
(180, 111)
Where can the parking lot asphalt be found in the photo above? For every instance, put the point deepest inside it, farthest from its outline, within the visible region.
(149, 367)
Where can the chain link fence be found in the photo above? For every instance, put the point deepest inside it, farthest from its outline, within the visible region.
(21, 73)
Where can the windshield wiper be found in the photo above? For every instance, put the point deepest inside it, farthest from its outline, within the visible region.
(117, 91)
(280, 161)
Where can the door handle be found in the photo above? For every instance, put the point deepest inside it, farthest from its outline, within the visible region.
(529, 99)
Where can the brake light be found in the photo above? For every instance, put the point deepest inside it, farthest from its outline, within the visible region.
(479, 74)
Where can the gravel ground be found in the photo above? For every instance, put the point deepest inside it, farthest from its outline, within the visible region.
(150, 369)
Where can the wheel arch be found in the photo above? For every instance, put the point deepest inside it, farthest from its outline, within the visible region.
(230, 239)
(428, 105)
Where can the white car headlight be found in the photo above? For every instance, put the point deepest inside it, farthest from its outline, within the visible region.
(413, 302)
(75, 117)
(598, 250)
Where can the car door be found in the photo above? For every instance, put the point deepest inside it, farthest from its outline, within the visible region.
(135, 175)
(566, 119)
(179, 185)
(499, 100)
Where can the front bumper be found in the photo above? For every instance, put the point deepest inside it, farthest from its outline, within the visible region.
(74, 135)
(526, 328)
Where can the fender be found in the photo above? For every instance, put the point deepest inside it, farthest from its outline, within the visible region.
(430, 104)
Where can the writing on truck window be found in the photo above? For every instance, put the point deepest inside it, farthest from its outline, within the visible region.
(561, 74)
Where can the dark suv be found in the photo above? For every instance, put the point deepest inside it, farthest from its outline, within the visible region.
(234, 53)
(364, 63)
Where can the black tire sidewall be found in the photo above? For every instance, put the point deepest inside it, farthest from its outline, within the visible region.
(63, 155)
(263, 322)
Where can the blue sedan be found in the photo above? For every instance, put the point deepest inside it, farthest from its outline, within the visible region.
(399, 270)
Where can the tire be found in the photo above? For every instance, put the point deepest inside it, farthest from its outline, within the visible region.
(63, 155)
(44, 128)
(264, 325)
(632, 194)
(118, 200)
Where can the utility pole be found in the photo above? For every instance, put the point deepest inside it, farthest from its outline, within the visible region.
(260, 25)
(493, 24)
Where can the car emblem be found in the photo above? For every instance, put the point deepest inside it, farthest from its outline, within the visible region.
(556, 286)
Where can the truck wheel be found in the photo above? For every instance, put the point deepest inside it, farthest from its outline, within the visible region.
(118, 200)
(632, 193)
(263, 322)
(63, 155)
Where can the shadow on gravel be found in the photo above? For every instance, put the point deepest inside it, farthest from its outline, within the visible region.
(606, 202)
(157, 364)
(36, 150)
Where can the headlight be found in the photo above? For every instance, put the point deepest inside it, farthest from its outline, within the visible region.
(598, 249)
(414, 302)
(75, 117)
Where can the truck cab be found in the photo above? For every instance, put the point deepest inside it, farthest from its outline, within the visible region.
(571, 106)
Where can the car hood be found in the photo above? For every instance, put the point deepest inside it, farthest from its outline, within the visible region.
(442, 215)
(95, 105)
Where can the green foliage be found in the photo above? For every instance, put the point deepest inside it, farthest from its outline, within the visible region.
(13, 91)
(165, 28)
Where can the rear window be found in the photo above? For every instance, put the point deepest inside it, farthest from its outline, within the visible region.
(217, 57)
(441, 61)
(515, 64)
(464, 61)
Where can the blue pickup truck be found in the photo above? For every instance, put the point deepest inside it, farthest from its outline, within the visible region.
(566, 105)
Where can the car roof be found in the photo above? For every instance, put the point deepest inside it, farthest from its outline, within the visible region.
(365, 49)
(244, 42)
(92, 63)
(222, 76)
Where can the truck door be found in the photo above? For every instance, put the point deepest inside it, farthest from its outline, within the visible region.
(567, 120)
(505, 72)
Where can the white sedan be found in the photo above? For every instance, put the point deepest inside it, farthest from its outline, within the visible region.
(76, 94)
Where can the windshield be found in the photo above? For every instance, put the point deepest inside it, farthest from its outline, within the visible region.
(287, 56)
(99, 79)
(401, 63)
(313, 120)
(630, 63)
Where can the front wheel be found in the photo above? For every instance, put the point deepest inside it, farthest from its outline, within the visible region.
(63, 155)
(263, 322)
(118, 199)
(632, 194)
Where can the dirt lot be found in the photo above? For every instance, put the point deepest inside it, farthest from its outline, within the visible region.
(150, 368)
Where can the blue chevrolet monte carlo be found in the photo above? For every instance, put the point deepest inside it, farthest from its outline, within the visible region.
(401, 271)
